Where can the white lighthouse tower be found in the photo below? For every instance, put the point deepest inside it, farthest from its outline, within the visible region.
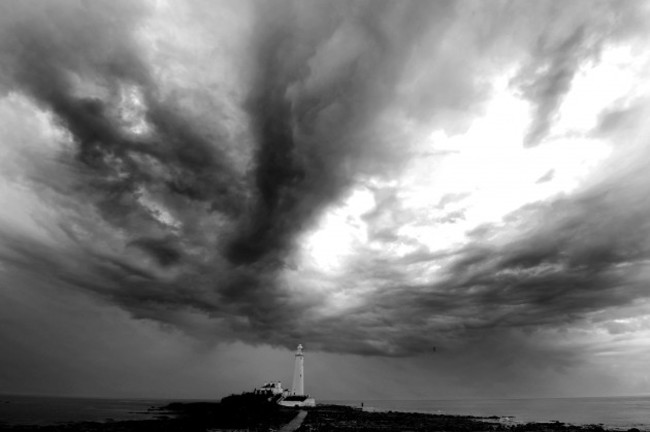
(297, 398)
(298, 388)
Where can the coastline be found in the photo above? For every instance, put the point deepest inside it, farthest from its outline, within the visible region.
(615, 413)
(345, 418)
(247, 413)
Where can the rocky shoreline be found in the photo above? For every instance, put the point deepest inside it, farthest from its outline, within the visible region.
(251, 413)
(326, 418)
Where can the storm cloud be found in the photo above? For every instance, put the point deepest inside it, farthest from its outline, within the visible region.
(275, 172)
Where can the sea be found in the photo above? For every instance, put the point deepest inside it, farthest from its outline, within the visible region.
(621, 413)
(44, 410)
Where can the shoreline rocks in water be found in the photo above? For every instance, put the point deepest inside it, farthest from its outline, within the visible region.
(348, 419)
(249, 412)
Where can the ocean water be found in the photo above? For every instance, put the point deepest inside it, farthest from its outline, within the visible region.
(613, 412)
(36, 410)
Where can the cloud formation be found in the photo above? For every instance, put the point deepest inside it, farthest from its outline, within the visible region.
(370, 177)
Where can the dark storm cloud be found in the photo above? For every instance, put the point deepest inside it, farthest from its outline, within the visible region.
(556, 56)
(567, 259)
(220, 235)
(163, 250)
(314, 138)
(47, 50)
(550, 79)
(549, 267)
(170, 225)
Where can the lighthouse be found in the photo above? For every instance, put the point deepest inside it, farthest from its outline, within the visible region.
(297, 398)
(298, 388)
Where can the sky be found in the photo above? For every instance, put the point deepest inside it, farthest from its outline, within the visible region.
(438, 199)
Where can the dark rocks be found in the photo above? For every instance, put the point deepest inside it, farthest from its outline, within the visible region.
(245, 412)
(347, 419)
(234, 413)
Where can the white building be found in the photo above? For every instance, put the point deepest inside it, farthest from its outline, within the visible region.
(298, 398)
(273, 388)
